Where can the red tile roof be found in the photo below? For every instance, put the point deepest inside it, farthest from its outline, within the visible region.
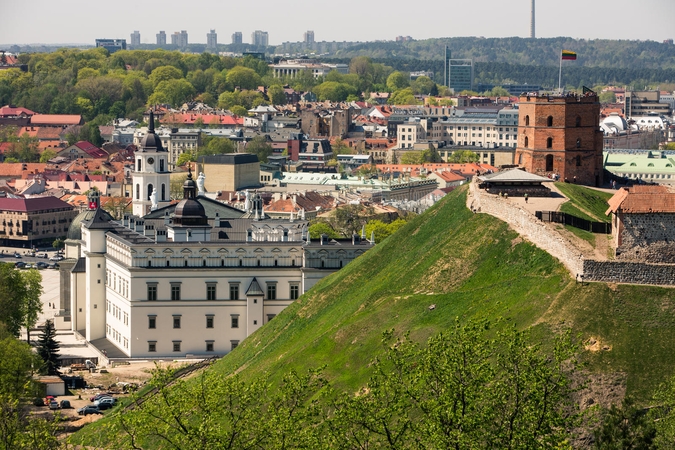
(56, 119)
(32, 204)
(11, 111)
(91, 149)
(642, 200)
(208, 119)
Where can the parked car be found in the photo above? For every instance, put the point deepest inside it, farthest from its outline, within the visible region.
(89, 409)
(20, 264)
(17, 255)
(41, 265)
(65, 404)
(53, 405)
(99, 396)
(56, 258)
(41, 255)
(53, 266)
(105, 402)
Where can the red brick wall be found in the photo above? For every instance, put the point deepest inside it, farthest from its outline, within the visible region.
(564, 133)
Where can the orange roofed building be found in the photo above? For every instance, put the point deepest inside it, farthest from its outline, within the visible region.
(643, 224)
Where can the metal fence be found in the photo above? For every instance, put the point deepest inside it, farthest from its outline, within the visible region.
(574, 221)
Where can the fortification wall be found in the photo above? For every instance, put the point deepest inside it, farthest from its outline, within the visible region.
(648, 237)
(528, 226)
(629, 272)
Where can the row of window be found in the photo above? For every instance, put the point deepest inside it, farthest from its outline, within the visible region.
(115, 335)
(117, 312)
(549, 121)
(117, 283)
(176, 345)
(210, 321)
(212, 293)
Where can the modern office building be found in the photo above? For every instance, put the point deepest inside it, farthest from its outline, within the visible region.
(135, 39)
(212, 41)
(237, 37)
(645, 103)
(112, 45)
(260, 38)
(161, 38)
(460, 74)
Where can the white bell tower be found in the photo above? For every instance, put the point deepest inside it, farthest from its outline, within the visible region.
(151, 173)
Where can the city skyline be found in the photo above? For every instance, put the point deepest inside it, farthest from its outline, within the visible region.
(43, 24)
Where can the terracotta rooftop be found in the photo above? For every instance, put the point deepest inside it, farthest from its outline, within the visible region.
(12, 111)
(56, 119)
(642, 200)
(32, 204)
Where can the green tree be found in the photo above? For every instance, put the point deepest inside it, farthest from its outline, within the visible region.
(349, 219)
(19, 297)
(48, 349)
(176, 185)
(260, 147)
(334, 91)
(403, 97)
(276, 95)
(424, 86)
(463, 156)
(239, 110)
(175, 92)
(213, 145)
(398, 81)
(412, 157)
(320, 227)
(185, 158)
(47, 155)
(58, 244)
(164, 73)
(607, 97)
(243, 78)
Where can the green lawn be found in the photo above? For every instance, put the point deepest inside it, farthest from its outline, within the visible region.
(581, 199)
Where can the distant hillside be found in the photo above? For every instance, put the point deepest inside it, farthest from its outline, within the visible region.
(469, 266)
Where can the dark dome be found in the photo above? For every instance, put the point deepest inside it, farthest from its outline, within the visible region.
(189, 183)
(151, 142)
(75, 229)
(189, 212)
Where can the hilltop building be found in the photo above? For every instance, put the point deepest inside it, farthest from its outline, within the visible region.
(560, 135)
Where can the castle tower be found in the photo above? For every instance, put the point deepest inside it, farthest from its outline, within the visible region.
(560, 135)
(151, 173)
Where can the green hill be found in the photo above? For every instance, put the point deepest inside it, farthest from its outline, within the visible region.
(469, 266)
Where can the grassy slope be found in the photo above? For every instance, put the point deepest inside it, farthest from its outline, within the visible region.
(586, 203)
(467, 265)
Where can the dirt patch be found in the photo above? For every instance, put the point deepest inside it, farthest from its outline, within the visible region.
(596, 345)
(516, 241)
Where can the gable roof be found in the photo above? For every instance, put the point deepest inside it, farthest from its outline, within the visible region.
(91, 149)
(642, 200)
(514, 175)
(13, 111)
(56, 119)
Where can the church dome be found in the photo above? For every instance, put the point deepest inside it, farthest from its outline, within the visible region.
(75, 229)
(189, 211)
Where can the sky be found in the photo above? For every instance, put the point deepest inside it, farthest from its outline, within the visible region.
(83, 21)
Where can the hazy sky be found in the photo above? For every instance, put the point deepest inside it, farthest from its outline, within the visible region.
(82, 21)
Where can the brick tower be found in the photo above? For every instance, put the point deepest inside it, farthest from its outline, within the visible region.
(561, 135)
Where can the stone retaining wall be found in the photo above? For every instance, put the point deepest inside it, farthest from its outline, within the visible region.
(629, 272)
(528, 226)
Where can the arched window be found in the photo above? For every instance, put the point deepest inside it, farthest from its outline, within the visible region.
(578, 123)
(549, 142)
(138, 165)
(203, 263)
(163, 191)
(549, 163)
(527, 141)
(150, 189)
(138, 191)
(549, 121)
(578, 142)
(527, 120)
(578, 160)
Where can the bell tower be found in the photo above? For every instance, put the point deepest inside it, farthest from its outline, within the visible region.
(150, 177)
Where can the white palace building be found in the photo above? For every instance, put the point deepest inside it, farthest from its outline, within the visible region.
(179, 283)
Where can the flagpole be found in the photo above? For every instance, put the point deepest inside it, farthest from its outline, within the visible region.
(560, 74)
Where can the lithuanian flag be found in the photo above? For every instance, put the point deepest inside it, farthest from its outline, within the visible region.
(568, 54)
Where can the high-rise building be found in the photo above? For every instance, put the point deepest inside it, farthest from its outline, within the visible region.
(308, 37)
(212, 41)
(112, 45)
(560, 134)
(260, 38)
(161, 38)
(237, 37)
(460, 74)
(180, 39)
(135, 39)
